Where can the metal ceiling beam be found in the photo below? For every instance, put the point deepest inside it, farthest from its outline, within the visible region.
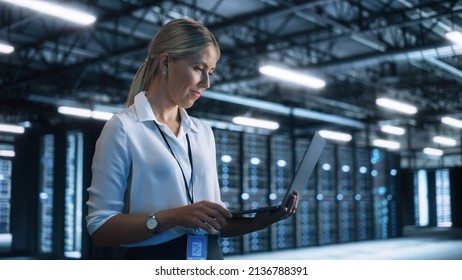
(420, 53)
(283, 110)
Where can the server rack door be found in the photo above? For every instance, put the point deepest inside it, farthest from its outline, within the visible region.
(229, 176)
(363, 196)
(46, 194)
(443, 198)
(380, 193)
(327, 192)
(255, 186)
(5, 198)
(394, 225)
(345, 196)
(283, 232)
(73, 196)
(306, 217)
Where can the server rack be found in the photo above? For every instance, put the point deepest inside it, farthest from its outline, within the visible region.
(73, 195)
(46, 194)
(5, 203)
(345, 196)
(363, 196)
(281, 170)
(380, 192)
(443, 198)
(255, 186)
(392, 166)
(306, 217)
(327, 192)
(229, 176)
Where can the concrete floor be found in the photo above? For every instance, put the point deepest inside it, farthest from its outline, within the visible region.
(416, 244)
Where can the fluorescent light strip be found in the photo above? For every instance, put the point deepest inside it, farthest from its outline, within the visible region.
(101, 115)
(445, 141)
(452, 122)
(333, 135)
(84, 113)
(6, 48)
(78, 112)
(7, 153)
(256, 123)
(433, 152)
(55, 10)
(396, 106)
(11, 128)
(392, 145)
(396, 130)
(292, 76)
(455, 37)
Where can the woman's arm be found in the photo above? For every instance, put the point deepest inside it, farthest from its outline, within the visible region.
(129, 228)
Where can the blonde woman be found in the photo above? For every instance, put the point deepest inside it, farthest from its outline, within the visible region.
(154, 187)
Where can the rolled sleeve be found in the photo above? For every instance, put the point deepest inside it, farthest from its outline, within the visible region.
(110, 171)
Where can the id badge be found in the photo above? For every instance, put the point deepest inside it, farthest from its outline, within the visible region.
(197, 247)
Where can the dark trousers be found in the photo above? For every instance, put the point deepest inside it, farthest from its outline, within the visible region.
(172, 250)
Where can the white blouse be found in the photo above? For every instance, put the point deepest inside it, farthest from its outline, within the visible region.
(134, 172)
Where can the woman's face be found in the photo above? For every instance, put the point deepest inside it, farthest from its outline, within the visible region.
(188, 78)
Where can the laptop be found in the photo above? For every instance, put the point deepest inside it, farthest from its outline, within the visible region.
(301, 177)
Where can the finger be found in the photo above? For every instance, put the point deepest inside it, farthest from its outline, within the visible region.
(208, 227)
(223, 211)
(291, 204)
(212, 222)
(217, 212)
(295, 203)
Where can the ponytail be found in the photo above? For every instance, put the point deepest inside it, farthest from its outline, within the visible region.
(137, 83)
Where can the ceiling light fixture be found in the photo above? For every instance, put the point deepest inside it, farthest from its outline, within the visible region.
(256, 123)
(101, 115)
(445, 141)
(291, 76)
(455, 37)
(55, 10)
(7, 153)
(452, 122)
(84, 113)
(334, 135)
(78, 112)
(6, 48)
(12, 128)
(433, 152)
(392, 145)
(396, 130)
(396, 105)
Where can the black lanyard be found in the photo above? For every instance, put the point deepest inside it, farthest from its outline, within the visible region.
(190, 189)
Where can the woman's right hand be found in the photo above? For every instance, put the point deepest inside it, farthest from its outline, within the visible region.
(206, 215)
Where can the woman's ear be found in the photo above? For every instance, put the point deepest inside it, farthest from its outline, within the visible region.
(164, 64)
(164, 61)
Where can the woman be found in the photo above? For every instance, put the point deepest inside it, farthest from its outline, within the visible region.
(154, 188)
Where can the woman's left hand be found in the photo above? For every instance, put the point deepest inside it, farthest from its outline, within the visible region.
(268, 218)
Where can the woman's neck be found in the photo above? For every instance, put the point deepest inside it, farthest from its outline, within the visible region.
(165, 111)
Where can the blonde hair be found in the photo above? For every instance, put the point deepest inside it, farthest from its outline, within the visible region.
(179, 38)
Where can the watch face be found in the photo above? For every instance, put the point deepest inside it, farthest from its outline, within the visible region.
(151, 223)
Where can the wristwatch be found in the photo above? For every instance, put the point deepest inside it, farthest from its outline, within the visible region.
(152, 223)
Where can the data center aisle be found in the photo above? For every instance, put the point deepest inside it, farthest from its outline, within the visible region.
(417, 244)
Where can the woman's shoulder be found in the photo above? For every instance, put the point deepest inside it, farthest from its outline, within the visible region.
(201, 125)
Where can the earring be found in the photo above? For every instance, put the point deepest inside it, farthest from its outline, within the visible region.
(165, 73)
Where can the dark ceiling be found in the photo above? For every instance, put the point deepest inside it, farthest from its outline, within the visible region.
(363, 49)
